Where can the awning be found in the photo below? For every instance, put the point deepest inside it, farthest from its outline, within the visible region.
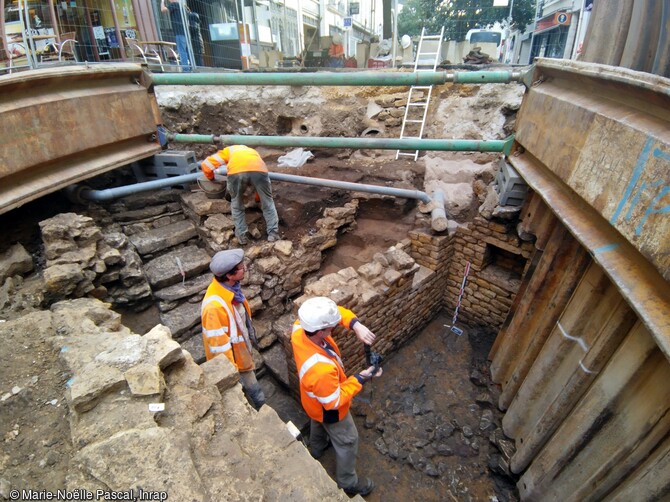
(552, 21)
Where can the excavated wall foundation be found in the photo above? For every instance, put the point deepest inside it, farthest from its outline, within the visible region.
(154, 249)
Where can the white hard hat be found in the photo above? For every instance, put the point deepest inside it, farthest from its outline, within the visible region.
(318, 313)
(405, 41)
(337, 39)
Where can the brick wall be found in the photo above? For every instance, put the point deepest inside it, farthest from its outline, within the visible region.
(495, 275)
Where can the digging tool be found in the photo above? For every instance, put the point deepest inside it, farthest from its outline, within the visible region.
(454, 328)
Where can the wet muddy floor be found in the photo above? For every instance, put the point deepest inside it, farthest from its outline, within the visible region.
(429, 426)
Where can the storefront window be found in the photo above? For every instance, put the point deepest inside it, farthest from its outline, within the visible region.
(94, 26)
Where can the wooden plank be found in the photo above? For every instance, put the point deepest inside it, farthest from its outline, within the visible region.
(650, 482)
(533, 306)
(607, 31)
(571, 262)
(601, 318)
(538, 220)
(503, 333)
(532, 399)
(542, 225)
(624, 414)
(643, 35)
(648, 411)
(526, 306)
(638, 280)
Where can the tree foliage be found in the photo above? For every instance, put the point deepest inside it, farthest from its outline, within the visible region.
(459, 16)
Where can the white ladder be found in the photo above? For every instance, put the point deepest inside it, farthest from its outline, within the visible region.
(418, 99)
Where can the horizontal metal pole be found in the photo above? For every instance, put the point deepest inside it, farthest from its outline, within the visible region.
(373, 78)
(485, 77)
(441, 145)
(79, 193)
(345, 185)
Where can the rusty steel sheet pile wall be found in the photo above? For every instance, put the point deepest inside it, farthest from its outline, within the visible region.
(605, 133)
(67, 124)
(583, 356)
(633, 34)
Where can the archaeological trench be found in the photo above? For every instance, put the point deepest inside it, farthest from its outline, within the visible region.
(556, 388)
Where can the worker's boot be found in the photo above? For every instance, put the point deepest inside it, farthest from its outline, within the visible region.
(362, 488)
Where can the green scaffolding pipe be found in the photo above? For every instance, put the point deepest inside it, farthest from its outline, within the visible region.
(438, 145)
(380, 78)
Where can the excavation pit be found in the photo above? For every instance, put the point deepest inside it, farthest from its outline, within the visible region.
(379, 246)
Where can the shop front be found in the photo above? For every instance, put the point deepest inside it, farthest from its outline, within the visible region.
(551, 35)
(95, 29)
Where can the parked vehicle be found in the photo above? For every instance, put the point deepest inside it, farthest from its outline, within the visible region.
(488, 36)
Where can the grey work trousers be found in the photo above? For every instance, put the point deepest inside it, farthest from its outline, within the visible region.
(236, 184)
(344, 437)
(252, 388)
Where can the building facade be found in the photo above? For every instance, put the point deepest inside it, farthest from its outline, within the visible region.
(234, 33)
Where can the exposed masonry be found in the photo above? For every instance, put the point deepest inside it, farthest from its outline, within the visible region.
(204, 442)
(156, 247)
(402, 289)
(165, 240)
(498, 259)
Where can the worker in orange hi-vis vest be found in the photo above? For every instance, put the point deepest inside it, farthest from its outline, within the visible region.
(325, 390)
(226, 320)
(245, 167)
(336, 52)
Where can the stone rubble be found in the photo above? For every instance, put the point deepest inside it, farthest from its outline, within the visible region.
(207, 443)
(15, 261)
(84, 260)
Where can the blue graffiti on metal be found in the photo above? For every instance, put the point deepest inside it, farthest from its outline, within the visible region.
(605, 249)
(659, 186)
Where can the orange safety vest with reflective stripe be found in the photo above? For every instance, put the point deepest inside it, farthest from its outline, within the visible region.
(239, 159)
(325, 390)
(336, 51)
(220, 331)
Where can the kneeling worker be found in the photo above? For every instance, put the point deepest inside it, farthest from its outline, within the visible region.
(325, 390)
(226, 320)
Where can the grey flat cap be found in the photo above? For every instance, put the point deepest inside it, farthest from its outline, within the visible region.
(224, 261)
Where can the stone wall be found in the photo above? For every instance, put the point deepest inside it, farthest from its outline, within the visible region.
(402, 289)
(144, 416)
(173, 233)
(389, 110)
(492, 282)
(83, 260)
(394, 295)
(164, 241)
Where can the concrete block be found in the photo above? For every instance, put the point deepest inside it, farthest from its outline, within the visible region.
(511, 187)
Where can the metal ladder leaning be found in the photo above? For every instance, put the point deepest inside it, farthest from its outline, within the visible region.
(418, 99)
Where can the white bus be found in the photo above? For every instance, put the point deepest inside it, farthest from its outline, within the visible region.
(487, 36)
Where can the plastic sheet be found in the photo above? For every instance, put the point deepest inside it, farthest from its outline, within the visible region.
(295, 158)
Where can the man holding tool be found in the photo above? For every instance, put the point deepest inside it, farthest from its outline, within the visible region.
(325, 390)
